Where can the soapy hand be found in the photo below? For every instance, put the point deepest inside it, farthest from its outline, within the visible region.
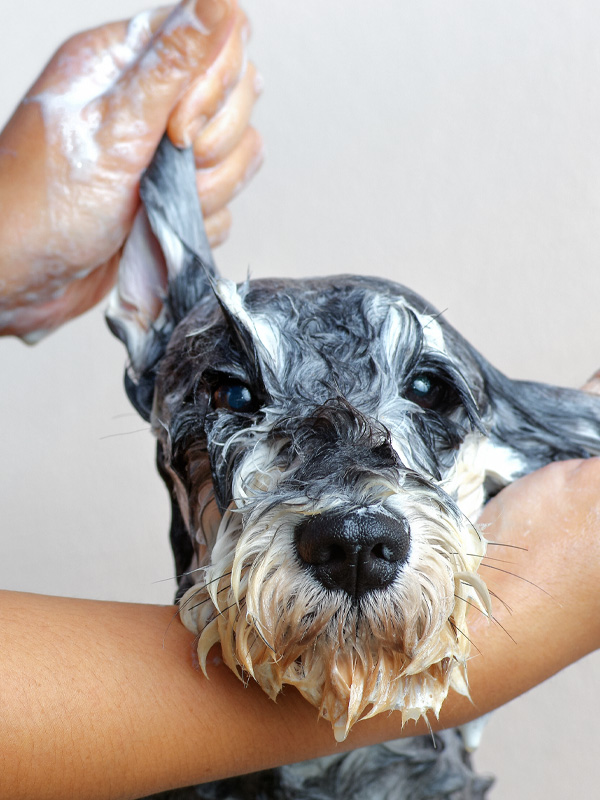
(72, 154)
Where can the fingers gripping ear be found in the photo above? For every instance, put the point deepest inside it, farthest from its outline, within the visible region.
(211, 90)
(138, 105)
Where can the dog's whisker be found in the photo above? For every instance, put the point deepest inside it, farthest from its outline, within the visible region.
(500, 600)
(489, 616)
(472, 605)
(457, 629)
(502, 544)
(520, 577)
(184, 604)
(192, 572)
(176, 577)
(198, 604)
(222, 611)
(499, 624)
(173, 618)
(435, 317)
(488, 558)
(498, 560)
(185, 607)
(124, 433)
(259, 635)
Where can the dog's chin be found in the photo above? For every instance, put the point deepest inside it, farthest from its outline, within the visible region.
(398, 648)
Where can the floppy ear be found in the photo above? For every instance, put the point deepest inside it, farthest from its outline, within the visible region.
(166, 268)
(542, 423)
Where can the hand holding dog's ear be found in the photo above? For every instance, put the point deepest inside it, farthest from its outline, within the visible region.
(72, 154)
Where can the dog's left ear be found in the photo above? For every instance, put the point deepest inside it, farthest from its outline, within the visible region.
(542, 423)
(166, 269)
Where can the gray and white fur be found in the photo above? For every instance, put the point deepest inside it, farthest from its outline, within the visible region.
(328, 445)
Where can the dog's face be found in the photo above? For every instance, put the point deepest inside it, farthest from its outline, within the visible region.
(328, 445)
(316, 434)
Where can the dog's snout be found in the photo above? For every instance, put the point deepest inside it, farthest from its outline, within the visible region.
(356, 552)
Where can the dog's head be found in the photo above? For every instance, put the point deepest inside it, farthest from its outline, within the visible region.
(328, 445)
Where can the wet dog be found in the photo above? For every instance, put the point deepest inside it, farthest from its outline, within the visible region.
(328, 445)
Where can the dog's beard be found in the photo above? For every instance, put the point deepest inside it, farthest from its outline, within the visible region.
(400, 647)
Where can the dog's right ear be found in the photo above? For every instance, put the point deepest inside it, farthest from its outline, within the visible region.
(166, 268)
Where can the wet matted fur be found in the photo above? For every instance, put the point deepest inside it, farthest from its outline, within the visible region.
(328, 445)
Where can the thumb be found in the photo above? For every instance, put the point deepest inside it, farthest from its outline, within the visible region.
(136, 108)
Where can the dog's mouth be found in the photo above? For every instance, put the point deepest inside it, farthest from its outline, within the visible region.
(387, 633)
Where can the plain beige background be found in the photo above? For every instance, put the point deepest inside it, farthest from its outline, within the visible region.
(451, 145)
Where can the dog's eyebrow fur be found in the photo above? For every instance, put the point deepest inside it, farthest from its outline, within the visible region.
(224, 293)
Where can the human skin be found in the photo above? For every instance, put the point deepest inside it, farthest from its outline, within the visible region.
(72, 154)
(104, 700)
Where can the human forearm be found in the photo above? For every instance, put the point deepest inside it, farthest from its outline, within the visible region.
(94, 689)
(547, 575)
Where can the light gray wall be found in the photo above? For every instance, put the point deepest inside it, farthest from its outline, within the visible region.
(449, 144)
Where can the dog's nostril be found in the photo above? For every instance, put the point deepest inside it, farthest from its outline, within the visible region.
(316, 552)
(336, 553)
(384, 552)
(358, 552)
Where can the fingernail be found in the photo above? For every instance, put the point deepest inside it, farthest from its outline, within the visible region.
(210, 12)
(191, 131)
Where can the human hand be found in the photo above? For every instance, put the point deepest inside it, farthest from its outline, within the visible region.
(72, 154)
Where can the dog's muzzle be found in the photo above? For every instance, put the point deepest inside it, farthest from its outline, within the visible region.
(357, 552)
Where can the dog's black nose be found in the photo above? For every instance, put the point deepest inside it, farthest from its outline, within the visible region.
(355, 552)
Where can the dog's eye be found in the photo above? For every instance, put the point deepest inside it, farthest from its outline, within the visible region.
(427, 392)
(234, 397)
